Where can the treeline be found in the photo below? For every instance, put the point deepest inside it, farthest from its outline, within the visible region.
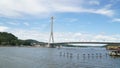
(8, 39)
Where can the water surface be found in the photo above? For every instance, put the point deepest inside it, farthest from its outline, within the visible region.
(22, 57)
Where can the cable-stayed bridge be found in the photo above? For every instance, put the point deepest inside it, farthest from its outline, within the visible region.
(51, 39)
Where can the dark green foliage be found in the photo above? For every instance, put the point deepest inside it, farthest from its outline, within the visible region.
(8, 39)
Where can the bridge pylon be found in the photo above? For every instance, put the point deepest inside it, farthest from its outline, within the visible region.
(51, 38)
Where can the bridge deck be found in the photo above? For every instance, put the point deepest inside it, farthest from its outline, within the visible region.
(87, 43)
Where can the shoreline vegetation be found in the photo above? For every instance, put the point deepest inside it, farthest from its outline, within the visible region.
(9, 40)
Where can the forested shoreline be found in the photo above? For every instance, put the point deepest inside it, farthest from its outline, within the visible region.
(8, 39)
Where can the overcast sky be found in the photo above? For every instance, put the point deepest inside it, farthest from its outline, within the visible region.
(74, 20)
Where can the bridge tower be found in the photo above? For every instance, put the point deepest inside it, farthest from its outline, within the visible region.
(51, 38)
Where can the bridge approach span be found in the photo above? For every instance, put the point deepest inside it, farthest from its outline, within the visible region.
(86, 43)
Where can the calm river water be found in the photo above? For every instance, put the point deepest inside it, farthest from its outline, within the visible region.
(22, 57)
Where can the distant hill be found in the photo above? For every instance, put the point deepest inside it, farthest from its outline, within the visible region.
(31, 42)
(8, 39)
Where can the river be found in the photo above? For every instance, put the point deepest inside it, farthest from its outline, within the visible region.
(23, 57)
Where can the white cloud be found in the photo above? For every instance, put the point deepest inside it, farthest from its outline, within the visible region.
(105, 38)
(3, 28)
(18, 23)
(65, 37)
(116, 20)
(30, 34)
(13, 23)
(95, 2)
(20, 8)
(104, 12)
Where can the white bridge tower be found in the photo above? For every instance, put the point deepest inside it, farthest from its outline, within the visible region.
(51, 39)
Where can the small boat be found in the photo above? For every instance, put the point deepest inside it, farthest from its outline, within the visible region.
(114, 53)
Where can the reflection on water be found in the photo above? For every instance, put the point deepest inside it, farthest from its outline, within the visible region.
(15, 57)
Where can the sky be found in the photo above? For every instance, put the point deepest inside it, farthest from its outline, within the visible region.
(74, 20)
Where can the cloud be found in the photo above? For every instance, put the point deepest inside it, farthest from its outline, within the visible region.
(105, 10)
(21, 8)
(13, 8)
(95, 2)
(13, 23)
(64, 36)
(18, 23)
(30, 34)
(105, 38)
(116, 20)
(3, 28)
